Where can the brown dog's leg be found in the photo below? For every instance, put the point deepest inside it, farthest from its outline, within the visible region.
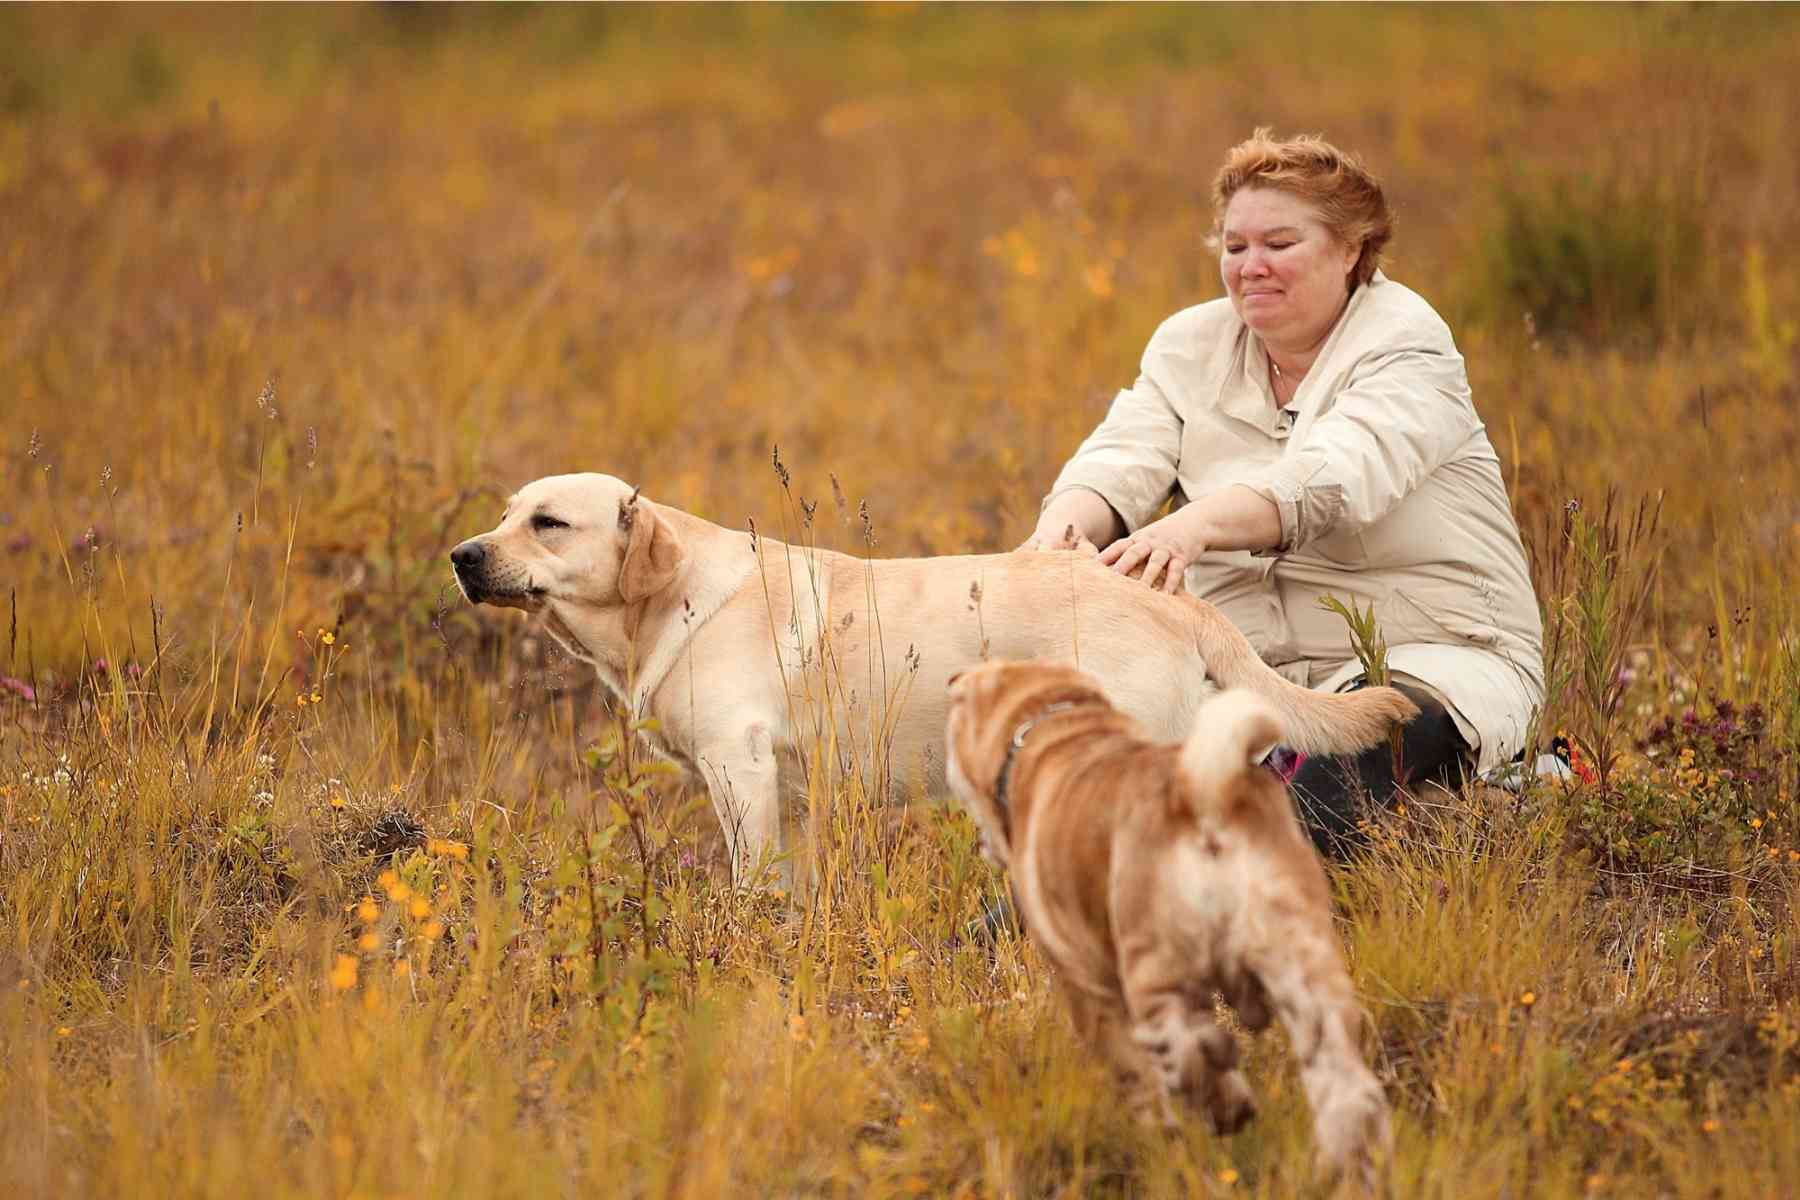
(1193, 1057)
(1309, 988)
(1099, 1025)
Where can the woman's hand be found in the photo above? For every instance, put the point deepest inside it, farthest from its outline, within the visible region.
(1075, 520)
(1066, 538)
(1161, 551)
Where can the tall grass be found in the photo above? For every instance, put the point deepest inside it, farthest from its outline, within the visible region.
(314, 880)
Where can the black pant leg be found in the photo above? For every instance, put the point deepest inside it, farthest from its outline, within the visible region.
(1329, 791)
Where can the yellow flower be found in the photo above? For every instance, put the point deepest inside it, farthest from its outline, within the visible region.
(367, 912)
(337, 800)
(343, 975)
(419, 908)
(396, 887)
(1098, 278)
(63, 1031)
(326, 636)
(457, 850)
(1624, 1066)
(1228, 1176)
(1527, 998)
(369, 941)
(1756, 822)
(402, 969)
(317, 696)
(300, 700)
(432, 930)
(1710, 1125)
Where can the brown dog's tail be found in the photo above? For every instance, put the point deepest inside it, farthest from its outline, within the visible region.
(1231, 731)
(1313, 722)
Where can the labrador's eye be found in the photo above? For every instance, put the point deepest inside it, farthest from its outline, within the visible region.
(546, 521)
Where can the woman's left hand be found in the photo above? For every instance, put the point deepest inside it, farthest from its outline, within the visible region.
(1161, 551)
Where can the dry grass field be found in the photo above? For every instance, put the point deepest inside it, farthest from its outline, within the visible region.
(315, 881)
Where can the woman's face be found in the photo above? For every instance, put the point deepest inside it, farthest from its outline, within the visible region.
(1283, 269)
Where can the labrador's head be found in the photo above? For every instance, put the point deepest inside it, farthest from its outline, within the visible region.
(571, 542)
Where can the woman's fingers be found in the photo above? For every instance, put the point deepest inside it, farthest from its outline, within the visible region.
(1129, 558)
(1176, 579)
(1155, 565)
(1158, 566)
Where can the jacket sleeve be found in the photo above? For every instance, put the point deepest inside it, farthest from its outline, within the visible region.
(1131, 460)
(1399, 417)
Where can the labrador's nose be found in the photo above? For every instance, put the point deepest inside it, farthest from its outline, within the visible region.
(468, 556)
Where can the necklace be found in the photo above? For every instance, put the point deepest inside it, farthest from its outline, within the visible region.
(1277, 381)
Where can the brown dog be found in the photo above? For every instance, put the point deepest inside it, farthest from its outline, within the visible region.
(1152, 875)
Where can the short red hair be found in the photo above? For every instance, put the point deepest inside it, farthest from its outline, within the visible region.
(1347, 196)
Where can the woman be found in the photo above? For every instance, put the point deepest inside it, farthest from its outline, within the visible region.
(1315, 432)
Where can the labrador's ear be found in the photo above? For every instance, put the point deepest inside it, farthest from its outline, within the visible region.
(653, 554)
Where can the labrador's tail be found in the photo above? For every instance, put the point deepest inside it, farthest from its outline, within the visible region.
(1315, 722)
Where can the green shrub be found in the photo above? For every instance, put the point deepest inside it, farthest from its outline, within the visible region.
(1706, 805)
(1588, 258)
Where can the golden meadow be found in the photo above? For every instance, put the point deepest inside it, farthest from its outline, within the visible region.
(315, 881)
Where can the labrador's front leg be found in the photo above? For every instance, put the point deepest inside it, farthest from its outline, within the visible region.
(742, 777)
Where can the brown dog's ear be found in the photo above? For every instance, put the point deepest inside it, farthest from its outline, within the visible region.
(653, 553)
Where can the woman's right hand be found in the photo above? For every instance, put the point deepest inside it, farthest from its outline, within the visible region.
(1049, 537)
(1073, 521)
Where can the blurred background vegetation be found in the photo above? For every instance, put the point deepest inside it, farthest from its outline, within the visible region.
(475, 245)
(292, 297)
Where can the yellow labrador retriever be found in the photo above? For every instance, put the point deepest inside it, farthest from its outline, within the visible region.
(1152, 874)
(755, 657)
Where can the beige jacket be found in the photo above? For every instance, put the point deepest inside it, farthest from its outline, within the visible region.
(1389, 490)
